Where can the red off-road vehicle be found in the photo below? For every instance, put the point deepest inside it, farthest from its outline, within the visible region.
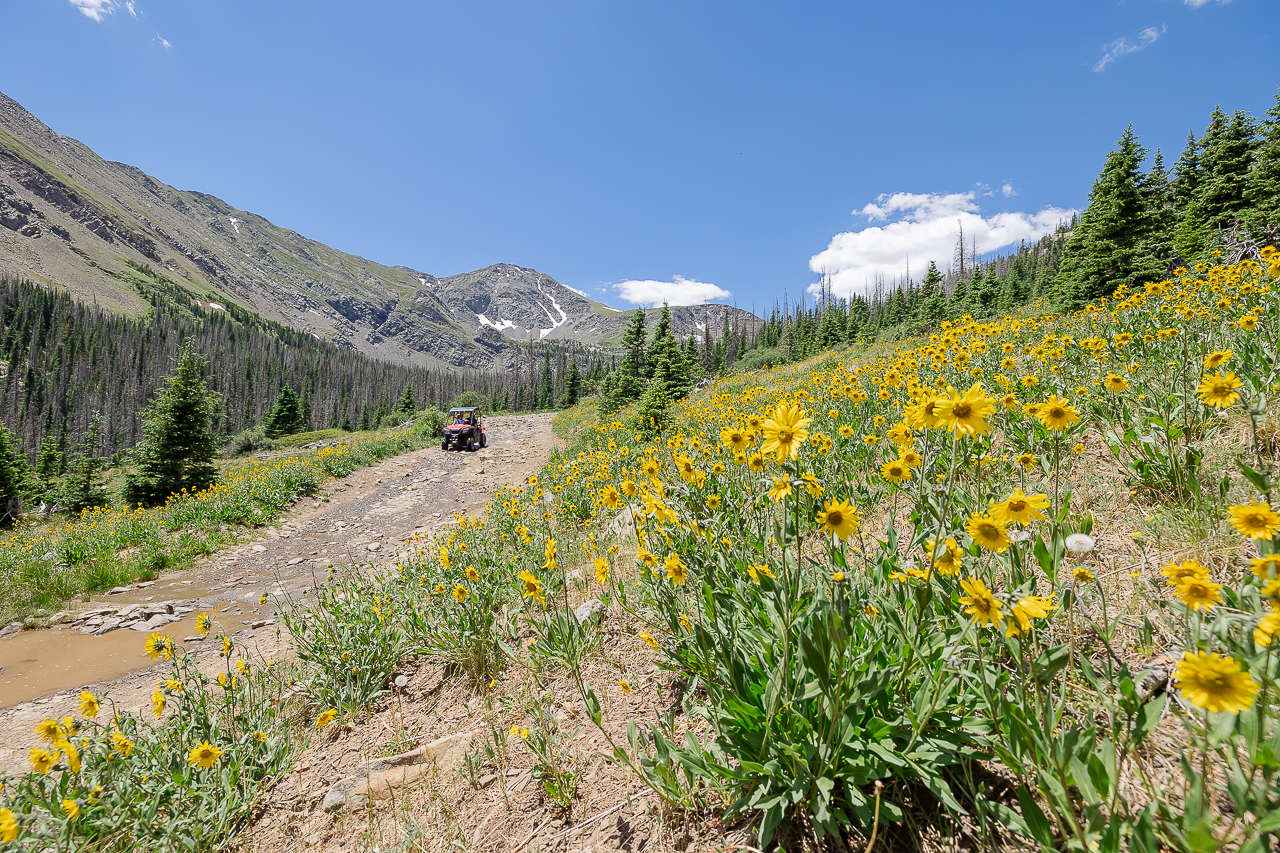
(463, 429)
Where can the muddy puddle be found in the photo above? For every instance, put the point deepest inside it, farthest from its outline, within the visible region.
(39, 663)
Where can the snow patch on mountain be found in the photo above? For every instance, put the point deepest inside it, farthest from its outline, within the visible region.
(499, 326)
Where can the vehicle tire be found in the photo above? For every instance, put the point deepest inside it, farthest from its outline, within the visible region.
(484, 440)
(471, 444)
(444, 445)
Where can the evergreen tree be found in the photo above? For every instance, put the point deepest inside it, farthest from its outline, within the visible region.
(572, 385)
(177, 449)
(15, 477)
(285, 418)
(653, 413)
(1186, 174)
(1227, 154)
(961, 299)
(1159, 192)
(1110, 243)
(859, 314)
(51, 462)
(546, 394)
(1262, 192)
(79, 489)
(633, 341)
(407, 404)
(664, 343)
(934, 306)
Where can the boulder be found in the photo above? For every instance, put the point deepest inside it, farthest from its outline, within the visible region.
(623, 525)
(378, 778)
(590, 611)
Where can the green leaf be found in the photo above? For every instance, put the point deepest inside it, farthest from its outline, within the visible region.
(1050, 662)
(592, 703)
(1260, 481)
(1270, 823)
(1148, 719)
(1036, 822)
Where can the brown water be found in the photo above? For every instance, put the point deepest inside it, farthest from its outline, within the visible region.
(37, 663)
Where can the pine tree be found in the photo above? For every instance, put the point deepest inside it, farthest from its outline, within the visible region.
(1109, 244)
(79, 489)
(1263, 190)
(285, 418)
(177, 449)
(1159, 192)
(572, 385)
(15, 477)
(859, 314)
(407, 404)
(663, 343)
(1228, 150)
(51, 462)
(633, 341)
(546, 393)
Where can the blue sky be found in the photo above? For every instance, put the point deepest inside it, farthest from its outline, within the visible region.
(639, 150)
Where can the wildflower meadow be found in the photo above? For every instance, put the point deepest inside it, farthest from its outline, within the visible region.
(1019, 576)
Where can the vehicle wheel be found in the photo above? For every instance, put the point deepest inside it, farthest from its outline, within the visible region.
(444, 445)
(484, 440)
(471, 444)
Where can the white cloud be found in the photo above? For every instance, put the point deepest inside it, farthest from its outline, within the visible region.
(163, 42)
(924, 229)
(1198, 3)
(1121, 46)
(678, 291)
(95, 9)
(1007, 190)
(133, 13)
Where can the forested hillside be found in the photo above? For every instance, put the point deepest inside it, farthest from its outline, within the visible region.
(64, 360)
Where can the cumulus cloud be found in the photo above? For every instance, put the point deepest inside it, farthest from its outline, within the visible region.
(678, 291)
(1121, 46)
(1007, 190)
(922, 227)
(96, 9)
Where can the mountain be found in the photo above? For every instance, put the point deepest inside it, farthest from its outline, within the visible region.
(104, 231)
(521, 303)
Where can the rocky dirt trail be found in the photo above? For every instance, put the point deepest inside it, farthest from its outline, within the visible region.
(364, 517)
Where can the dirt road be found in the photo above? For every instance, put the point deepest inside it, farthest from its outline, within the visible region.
(367, 516)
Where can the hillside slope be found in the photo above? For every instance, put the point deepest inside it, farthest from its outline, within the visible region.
(75, 220)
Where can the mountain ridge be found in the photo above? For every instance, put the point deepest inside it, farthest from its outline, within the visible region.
(75, 220)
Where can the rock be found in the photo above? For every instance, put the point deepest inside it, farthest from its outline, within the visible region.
(156, 621)
(117, 590)
(259, 548)
(109, 624)
(590, 610)
(296, 560)
(144, 584)
(374, 546)
(623, 525)
(381, 777)
(11, 628)
(262, 623)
